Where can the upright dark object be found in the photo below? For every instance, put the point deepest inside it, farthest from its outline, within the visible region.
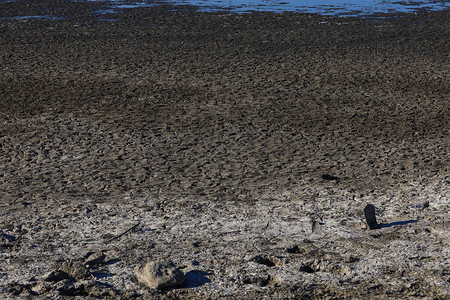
(369, 213)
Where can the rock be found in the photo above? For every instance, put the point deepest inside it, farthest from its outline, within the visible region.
(57, 275)
(329, 177)
(296, 249)
(316, 231)
(95, 258)
(307, 269)
(157, 275)
(264, 260)
(75, 269)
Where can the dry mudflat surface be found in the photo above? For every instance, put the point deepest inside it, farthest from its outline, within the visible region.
(243, 148)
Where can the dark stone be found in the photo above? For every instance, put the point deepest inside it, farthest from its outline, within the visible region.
(295, 249)
(263, 260)
(369, 213)
(307, 269)
(329, 177)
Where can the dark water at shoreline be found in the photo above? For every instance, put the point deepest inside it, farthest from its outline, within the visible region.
(323, 7)
(358, 8)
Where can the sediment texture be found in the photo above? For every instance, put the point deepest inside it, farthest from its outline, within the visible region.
(203, 138)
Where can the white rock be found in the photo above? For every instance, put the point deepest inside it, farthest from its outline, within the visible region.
(157, 275)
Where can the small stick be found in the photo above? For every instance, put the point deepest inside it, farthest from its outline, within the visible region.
(123, 233)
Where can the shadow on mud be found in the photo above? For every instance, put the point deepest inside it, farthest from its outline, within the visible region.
(398, 223)
(196, 278)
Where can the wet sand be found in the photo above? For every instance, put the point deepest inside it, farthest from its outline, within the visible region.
(213, 133)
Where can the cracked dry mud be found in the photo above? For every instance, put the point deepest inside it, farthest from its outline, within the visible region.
(243, 148)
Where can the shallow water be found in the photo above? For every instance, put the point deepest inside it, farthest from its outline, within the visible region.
(43, 17)
(323, 7)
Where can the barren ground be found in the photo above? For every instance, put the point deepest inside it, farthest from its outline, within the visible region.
(204, 138)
